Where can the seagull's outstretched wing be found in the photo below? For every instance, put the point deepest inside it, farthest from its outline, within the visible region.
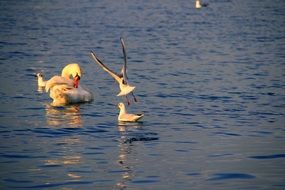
(99, 62)
(124, 70)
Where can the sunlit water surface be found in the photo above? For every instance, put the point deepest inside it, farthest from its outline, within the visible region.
(211, 84)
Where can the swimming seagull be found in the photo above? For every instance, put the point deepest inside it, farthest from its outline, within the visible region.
(121, 78)
(199, 5)
(124, 116)
(41, 81)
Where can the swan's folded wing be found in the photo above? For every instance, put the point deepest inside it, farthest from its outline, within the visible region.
(58, 80)
(99, 62)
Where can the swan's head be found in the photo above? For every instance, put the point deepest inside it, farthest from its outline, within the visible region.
(77, 77)
(71, 71)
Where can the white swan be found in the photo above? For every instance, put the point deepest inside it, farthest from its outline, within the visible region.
(41, 80)
(124, 116)
(121, 78)
(64, 90)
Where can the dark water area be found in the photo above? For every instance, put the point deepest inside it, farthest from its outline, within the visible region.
(211, 83)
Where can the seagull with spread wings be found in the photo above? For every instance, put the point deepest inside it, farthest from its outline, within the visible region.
(121, 78)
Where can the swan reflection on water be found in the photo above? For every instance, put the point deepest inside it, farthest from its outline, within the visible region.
(66, 116)
(66, 158)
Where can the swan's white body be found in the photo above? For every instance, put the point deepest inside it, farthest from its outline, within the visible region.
(124, 116)
(41, 80)
(62, 89)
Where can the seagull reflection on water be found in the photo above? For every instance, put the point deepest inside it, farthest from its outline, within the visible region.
(131, 135)
(41, 89)
(125, 126)
(125, 152)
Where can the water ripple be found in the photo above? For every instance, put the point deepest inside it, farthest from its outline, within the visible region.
(20, 156)
(210, 82)
(265, 157)
(228, 176)
(48, 185)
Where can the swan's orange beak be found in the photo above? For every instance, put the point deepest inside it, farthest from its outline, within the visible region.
(76, 81)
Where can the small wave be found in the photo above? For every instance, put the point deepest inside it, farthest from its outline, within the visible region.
(133, 139)
(46, 132)
(273, 156)
(19, 156)
(227, 134)
(213, 97)
(193, 174)
(186, 142)
(226, 176)
(33, 108)
(17, 181)
(4, 131)
(146, 181)
(219, 155)
(46, 185)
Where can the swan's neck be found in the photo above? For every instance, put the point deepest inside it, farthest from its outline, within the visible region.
(66, 75)
(198, 5)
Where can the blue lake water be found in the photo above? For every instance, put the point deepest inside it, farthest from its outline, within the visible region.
(211, 83)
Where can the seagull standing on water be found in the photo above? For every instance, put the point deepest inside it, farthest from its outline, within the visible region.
(121, 78)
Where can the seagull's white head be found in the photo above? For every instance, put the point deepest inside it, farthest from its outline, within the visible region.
(39, 75)
(121, 105)
(198, 5)
(122, 108)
